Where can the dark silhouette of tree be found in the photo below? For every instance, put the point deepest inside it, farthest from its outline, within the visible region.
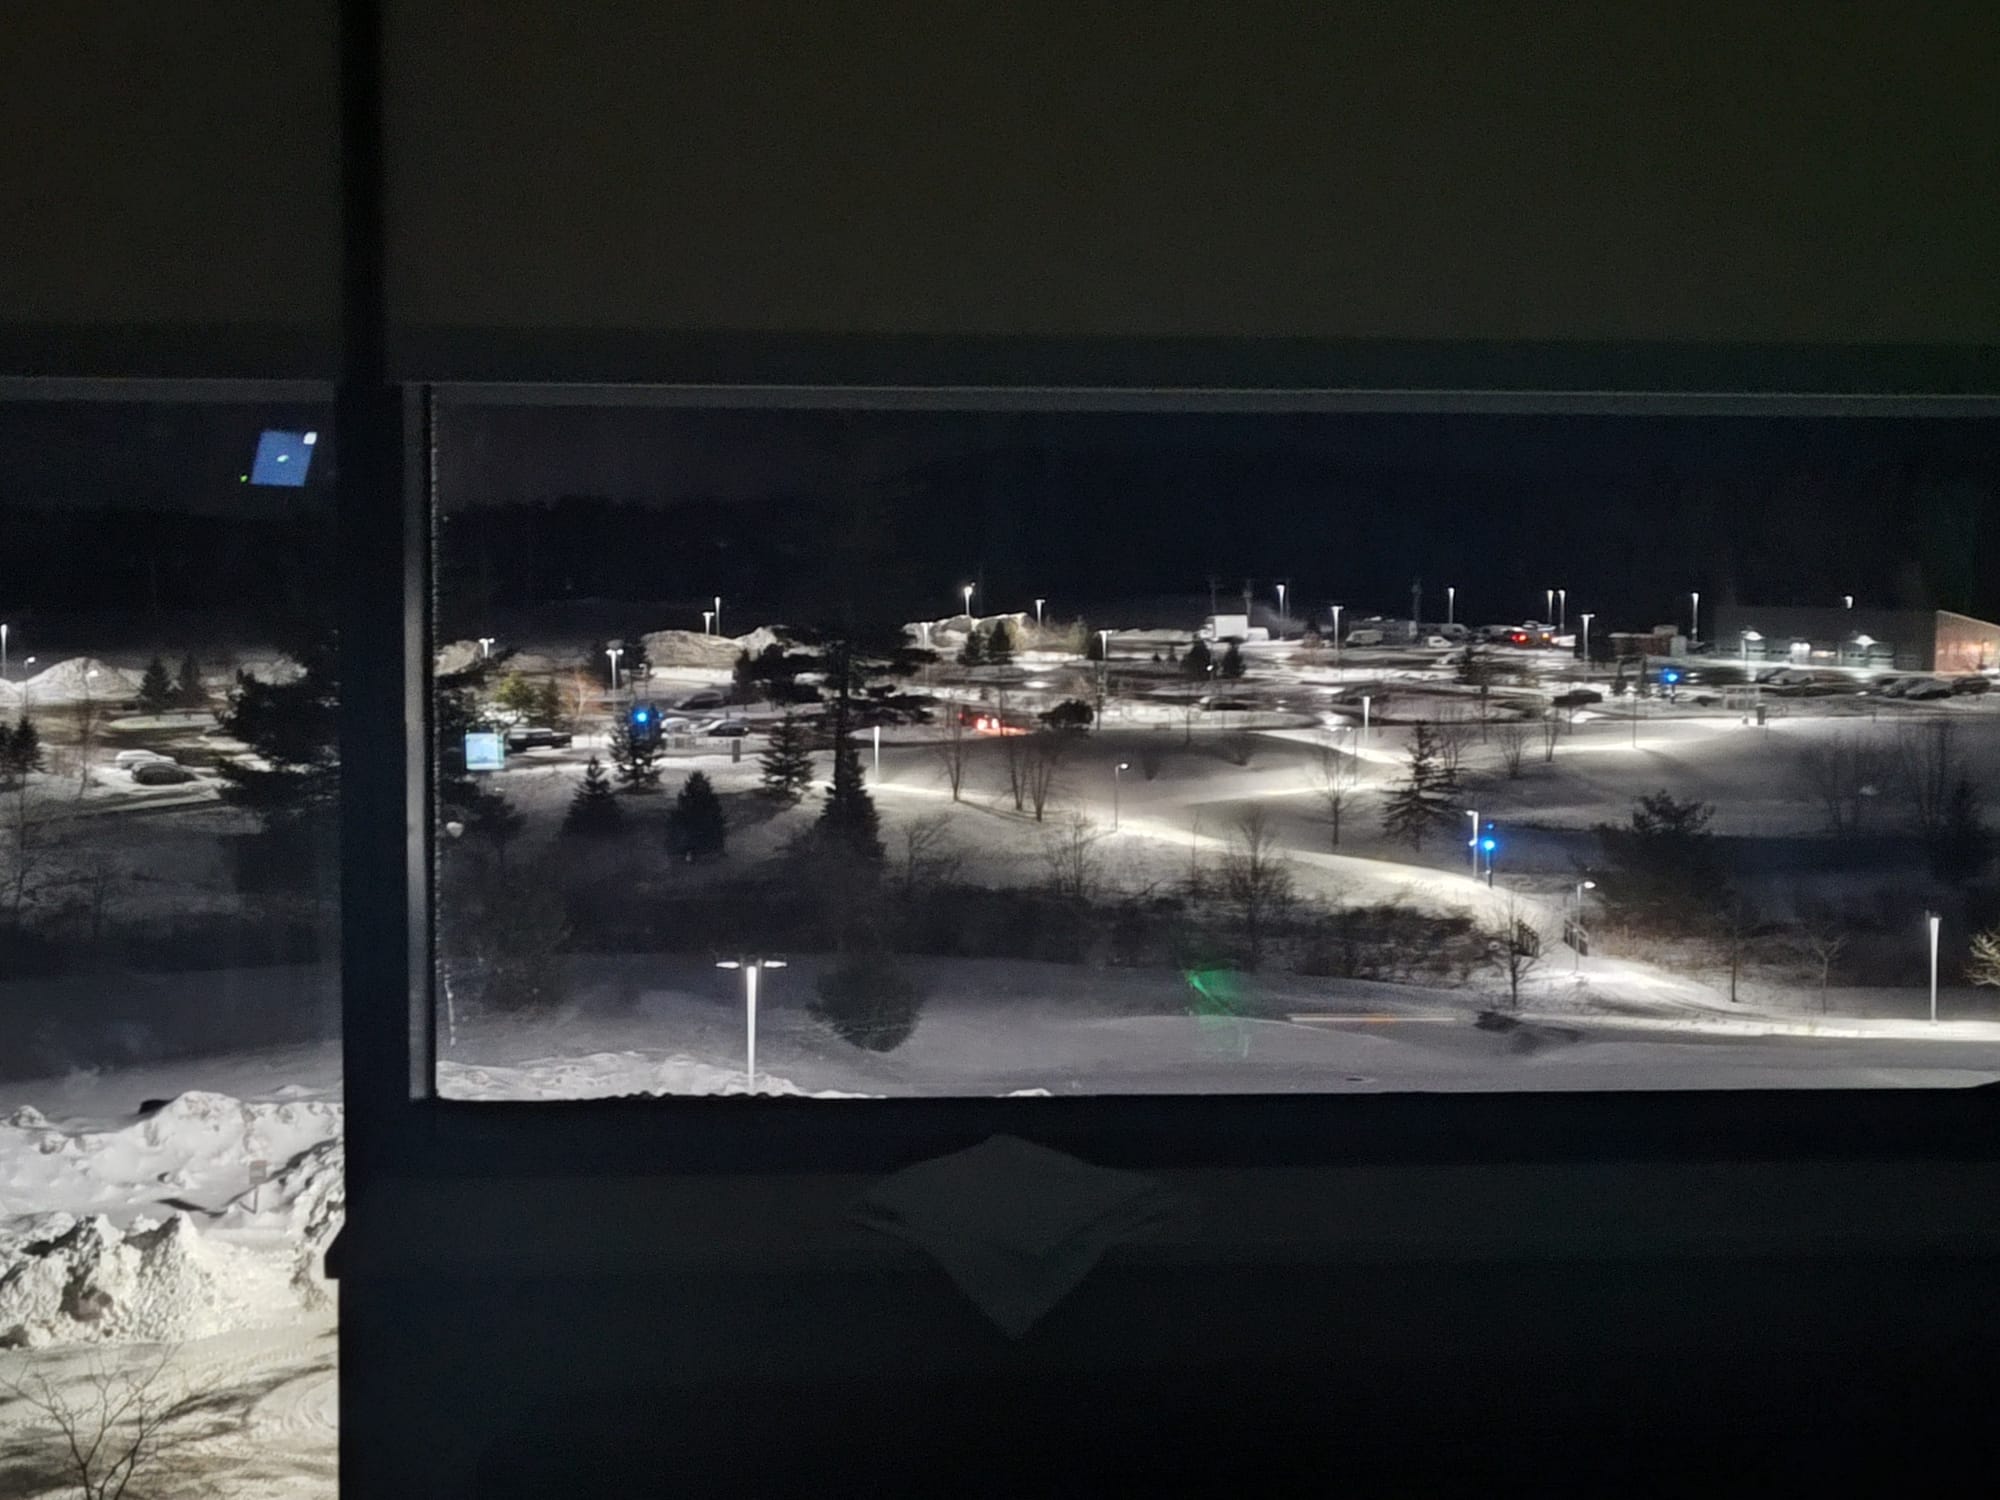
(1962, 845)
(696, 826)
(1662, 869)
(848, 823)
(21, 749)
(1197, 661)
(1000, 643)
(973, 652)
(635, 758)
(593, 810)
(156, 688)
(1426, 794)
(1071, 713)
(1093, 645)
(188, 689)
(785, 769)
(1232, 662)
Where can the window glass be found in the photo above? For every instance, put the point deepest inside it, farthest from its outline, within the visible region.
(170, 1121)
(977, 753)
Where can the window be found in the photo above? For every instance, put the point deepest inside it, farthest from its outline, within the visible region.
(840, 751)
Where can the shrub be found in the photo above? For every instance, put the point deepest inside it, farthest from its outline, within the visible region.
(870, 1000)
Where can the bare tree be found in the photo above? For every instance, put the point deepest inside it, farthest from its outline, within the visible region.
(1846, 774)
(1332, 789)
(1736, 928)
(1514, 947)
(29, 823)
(1982, 965)
(1197, 876)
(1070, 854)
(1513, 737)
(1014, 752)
(87, 717)
(1449, 734)
(1256, 878)
(1551, 732)
(111, 1426)
(1046, 749)
(1929, 764)
(953, 749)
(1822, 938)
(924, 853)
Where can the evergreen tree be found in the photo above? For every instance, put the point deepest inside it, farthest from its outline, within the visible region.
(973, 652)
(1197, 661)
(548, 705)
(518, 696)
(188, 691)
(696, 827)
(593, 811)
(1093, 645)
(292, 782)
(636, 758)
(1424, 796)
(787, 765)
(1962, 845)
(1232, 661)
(848, 822)
(1000, 643)
(1663, 869)
(743, 679)
(156, 688)
(21, 749)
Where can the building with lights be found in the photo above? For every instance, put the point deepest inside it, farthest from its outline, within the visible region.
(1918, 640)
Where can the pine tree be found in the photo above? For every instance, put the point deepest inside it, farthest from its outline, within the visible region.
(973, 652)
(696, 826)
(637, 760)
(21, 748)
(548, 707)
(188, 690)
(1197, 661)
(1000, 644)
(1425, 794)
(593, 811)
(1232, 662)
(848, 821)
(1093, 645)
(156, 688)
(743, 679)
(787, 765)
(518, 696)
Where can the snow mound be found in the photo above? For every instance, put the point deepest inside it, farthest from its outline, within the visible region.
(88, 1281)
(690, 648)
(455, 656)
(610, 1075)
(76, 679)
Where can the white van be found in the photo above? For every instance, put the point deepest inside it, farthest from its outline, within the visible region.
(127, 759)
(1366, 635)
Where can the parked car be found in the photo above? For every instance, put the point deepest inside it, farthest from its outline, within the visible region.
(131, 758)
(703, 698)
(728, 729)
(1973, 684)
(1576, 698)
(1366, 636)
(538, 737)
(160, 773)
(1924, 688)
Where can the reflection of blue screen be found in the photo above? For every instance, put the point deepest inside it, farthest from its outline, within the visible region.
(484, 752)
(283, 457)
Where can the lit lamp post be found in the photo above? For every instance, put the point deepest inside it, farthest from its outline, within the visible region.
(1576, 925)
(750, 966)
(1748, 637)
(1847, 600)
(1472, 844)
(718, 614)
(1489, 846)
(1862, 643)
(708, 622)
(966, 590)
(1117, 773)
(1548, 606)
(1336, 636)
(1038, 613)
(1933, 919)
(1281, 609)
(1562, 610)
(614, 652)
(1586, 618)
(485, 647)
(3, 652)
(1694, 616)
(1450, 604)
(1365, 700)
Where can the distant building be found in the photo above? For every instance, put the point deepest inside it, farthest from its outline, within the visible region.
(1916, 640)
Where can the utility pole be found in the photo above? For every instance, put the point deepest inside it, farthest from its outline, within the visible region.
(1416, 605)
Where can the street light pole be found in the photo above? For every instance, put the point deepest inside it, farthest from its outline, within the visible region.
(718, 614)
(1576, 925)
(1450, 604)
(1281, 610)
(1548, 605)
(1694, 616)
(1934, 920)
(1336, 637)
(966, 589)
(1038, 613)
(1365, 699)
(750, 966)
(1472, 844)
(1586, 618)
(3, 653)
(614, 652)
(1117, 774)
(485, 647)
(1562, 610)
(708, 622)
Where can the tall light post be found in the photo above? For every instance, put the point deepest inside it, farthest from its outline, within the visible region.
(614, 652)
(1576, 925)
(1562, 610)
(1336, 636)
(1746, 638)
(1038, 613)
(1281, 609)
(1117, 774)
(718, 614)
(1694, 616)
(1548, 606)
(1489, 845)
(708, 622)
(966, 589)
(1933, 919)
(485, 647)
(1847, 601)
(1586, 618)
(1365, 699)
(1450, 604)
(3, 653)
(1472, 844)
(750, 966)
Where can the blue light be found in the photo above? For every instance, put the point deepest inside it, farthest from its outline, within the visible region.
(1670, 677)
(282, 458)
(1489, 845)
(639, 717)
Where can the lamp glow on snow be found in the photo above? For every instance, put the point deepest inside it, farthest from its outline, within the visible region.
(1117, 773)
(750, 967)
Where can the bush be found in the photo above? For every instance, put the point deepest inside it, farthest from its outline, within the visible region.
(870, 1000)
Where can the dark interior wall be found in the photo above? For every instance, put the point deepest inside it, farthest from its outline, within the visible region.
(1411, 169)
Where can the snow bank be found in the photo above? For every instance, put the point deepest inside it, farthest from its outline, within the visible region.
(690, 648)
(609, 1075)
(74, 680)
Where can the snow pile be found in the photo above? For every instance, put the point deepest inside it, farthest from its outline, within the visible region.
(454, 656)
(609, 1075)
(87, 1281)
(690, 648)
(76, 679)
